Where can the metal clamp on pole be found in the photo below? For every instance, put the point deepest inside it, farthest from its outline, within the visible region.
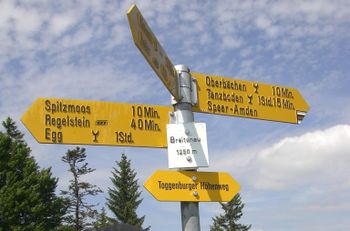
(183, 108)
(187, 86)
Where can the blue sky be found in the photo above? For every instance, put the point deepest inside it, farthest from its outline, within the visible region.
(292, 177)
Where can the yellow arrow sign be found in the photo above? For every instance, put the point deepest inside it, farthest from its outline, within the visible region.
(233, 97)
(192, 186)
(151, 49)
(63, 121)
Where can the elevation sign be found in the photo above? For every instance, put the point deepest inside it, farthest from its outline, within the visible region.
(187, 145)
(233, 97)
(192, 186)
(63, 121)
(151, 49)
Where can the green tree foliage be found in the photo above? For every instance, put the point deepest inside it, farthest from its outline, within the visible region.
(229, 220)
(27, 193)
(65, 228)
(124, 196)
(80, 213)
(103, 220)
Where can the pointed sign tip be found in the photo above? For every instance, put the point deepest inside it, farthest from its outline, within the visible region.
(131, 8)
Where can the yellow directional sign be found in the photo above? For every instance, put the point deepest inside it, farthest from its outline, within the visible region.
(63, 121)
(151, 49)
(192, 186)
(233, 97)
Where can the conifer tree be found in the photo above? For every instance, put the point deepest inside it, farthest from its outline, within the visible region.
(124, 196)
(229, 220)
(12, 131)
(27, 193)
(103, 220)
(80, 213)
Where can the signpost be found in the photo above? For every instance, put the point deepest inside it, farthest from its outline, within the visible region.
(242, 98)
(153, 52)
(63, 121)
(192, 186)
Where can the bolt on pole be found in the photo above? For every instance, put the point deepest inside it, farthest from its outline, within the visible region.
(183, 114)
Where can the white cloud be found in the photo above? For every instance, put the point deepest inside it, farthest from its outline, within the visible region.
(263, 22)
(230, 42)
(190, 15)
(82, 35)
(6, 10)
(312, 160)
(119, 34)
(246, 52)
(26, 20)
(59, 23)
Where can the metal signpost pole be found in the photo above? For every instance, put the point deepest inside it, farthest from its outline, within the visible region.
(183, 114)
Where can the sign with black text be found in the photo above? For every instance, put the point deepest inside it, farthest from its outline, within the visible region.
(153, 52)
(67, 121)
(187, 145)
(242, 98)
(192, 186)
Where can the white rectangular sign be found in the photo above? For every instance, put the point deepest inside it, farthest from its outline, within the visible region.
(187, 145)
